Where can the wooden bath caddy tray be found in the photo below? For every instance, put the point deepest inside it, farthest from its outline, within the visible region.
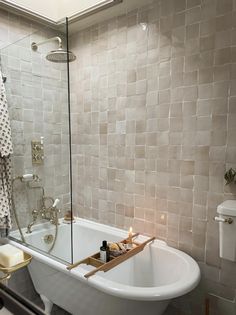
(114, 261)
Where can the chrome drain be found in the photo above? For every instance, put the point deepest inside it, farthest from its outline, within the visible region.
(48, 239)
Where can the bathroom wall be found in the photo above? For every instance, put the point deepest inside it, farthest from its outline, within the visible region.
(153, 117)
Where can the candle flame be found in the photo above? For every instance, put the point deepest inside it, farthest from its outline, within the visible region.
(131, 230)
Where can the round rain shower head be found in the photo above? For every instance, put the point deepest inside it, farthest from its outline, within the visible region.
(60, 56)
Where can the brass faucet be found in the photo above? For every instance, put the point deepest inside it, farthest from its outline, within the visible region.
(49, 213)
(35, 216)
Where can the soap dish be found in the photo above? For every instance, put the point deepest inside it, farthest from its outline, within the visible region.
(27, 260)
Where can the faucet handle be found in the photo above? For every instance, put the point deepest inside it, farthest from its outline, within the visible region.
(35, 213)
(56, 202)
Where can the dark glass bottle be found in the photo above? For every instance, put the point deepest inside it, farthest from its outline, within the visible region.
(104, 252)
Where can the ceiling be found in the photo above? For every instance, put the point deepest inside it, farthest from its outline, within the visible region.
(81, 14)
(120, 8)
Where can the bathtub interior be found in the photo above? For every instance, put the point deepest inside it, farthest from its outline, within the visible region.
(62, 249)
(153, 267)
(86, 240)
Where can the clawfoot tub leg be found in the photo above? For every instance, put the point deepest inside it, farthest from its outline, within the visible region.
(47, 304)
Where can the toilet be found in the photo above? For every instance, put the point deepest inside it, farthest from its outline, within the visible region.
(227, 229)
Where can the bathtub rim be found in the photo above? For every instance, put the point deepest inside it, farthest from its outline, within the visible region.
(164, 292)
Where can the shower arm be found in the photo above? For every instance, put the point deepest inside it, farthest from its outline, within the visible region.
(34, 45)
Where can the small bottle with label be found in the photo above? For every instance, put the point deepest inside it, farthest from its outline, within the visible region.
(104, 252)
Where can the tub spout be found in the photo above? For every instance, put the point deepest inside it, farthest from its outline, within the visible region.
(35, 214)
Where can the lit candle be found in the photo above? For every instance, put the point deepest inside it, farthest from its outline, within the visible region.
(130, 235)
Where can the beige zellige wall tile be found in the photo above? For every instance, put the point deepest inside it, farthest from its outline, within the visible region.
(154, 96)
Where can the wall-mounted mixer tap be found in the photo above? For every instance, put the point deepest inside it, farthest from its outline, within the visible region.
(47, 212)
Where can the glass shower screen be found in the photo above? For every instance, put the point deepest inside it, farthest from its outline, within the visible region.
(37, 89)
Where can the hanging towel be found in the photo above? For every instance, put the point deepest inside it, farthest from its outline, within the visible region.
(6, 150)
(5, 196)
(5, 128)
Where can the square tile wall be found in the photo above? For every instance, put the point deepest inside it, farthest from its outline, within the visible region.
(153, 117)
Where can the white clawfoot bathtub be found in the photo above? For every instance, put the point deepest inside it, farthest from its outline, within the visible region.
(144, 284)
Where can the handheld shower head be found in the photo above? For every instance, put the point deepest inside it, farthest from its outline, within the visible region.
(27, 178)
(59, 55)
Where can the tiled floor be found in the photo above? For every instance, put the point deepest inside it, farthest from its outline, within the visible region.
(56, 310)
(59, 311)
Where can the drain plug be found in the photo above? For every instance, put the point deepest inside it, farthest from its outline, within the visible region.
(48, 239)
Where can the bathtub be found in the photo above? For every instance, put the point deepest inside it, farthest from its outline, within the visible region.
(143, 284)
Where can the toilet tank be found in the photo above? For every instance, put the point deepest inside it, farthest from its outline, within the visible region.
(227, 229)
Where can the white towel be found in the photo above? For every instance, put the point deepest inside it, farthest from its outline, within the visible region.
(5, 163)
